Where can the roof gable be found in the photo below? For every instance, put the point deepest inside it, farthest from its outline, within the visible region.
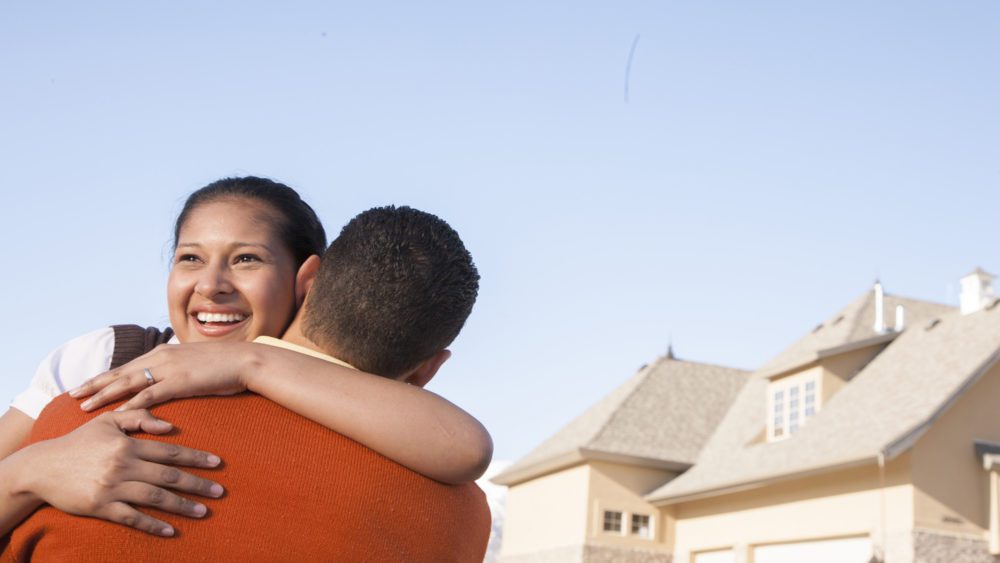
(665, 413)
(854, 325)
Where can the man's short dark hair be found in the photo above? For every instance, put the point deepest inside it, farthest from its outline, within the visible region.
(393, 289)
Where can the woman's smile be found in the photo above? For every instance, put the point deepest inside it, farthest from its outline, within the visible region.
(216, 324)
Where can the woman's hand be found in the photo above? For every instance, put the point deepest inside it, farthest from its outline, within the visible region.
(178, 371)
(99, 471)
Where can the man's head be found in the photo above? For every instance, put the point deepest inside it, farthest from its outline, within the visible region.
(392, 292)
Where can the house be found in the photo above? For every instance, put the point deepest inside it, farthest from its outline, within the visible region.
(864, 440)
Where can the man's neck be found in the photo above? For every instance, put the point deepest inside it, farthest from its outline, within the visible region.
(294, 335)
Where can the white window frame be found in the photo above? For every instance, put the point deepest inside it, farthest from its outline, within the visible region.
(791, 401)
(649, 525)
(625, 529)
(622, 518)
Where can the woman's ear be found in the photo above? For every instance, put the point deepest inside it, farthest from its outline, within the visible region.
(305, 278)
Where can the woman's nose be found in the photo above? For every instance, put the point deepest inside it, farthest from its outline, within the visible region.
(213, 281)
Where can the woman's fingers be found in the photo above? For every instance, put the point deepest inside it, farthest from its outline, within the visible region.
(170, 372)
(173, 454)
(138, 420)
(152, 395)
(97, 470)
(163, 476)
(95, 384)
(144, 457)
(112, 390)
(121, 380)
(121, 513)
(143, 494)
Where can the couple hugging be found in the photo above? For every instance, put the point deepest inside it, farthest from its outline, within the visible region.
(336, 453)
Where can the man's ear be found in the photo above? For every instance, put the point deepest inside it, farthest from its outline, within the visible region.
(305, 278)
(426, 370)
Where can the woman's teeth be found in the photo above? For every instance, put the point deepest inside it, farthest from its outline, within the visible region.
(221, 317)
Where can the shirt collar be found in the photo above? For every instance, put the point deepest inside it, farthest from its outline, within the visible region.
(278, 343)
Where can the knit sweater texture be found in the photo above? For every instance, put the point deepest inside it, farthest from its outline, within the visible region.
(295, 491)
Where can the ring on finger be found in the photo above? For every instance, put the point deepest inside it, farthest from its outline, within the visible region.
(149, 376)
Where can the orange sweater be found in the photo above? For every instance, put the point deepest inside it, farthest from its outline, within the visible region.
(295, 491)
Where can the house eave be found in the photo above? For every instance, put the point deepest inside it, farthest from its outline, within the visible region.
(738, 487)
(824, 353)
(579, 456)
(857, 345)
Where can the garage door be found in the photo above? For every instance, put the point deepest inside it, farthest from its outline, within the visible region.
(850, 550)
(724, 556)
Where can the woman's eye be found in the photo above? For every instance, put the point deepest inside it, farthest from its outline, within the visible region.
(247, 258)
(186, 258)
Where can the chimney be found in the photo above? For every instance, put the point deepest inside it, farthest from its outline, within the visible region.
(900, 318)
(879, 308)
(977, 291)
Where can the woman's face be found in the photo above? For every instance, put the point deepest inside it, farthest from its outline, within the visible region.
(232, 278)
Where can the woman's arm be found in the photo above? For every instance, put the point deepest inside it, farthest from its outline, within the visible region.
(405, 423)
(15, 426)
(98, 471)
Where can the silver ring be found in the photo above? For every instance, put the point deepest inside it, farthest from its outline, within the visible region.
(149, 376)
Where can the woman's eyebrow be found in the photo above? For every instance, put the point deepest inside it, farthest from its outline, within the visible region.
(252, 244)
(236, 244)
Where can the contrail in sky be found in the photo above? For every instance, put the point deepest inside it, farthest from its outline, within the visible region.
(628, 65)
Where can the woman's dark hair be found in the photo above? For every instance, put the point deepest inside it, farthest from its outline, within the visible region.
(297, 224)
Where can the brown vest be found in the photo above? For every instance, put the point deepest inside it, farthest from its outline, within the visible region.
(132, 341)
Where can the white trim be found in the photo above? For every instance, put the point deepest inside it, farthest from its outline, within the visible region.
(578, 456)
(650, 526)
(994, 513)
(814, 357)
(991, 463)
(625, 529)
(622, 520)
(758, 482)
(793, 387)
(865, 539)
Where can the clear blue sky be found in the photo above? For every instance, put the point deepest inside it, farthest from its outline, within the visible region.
(773, 160)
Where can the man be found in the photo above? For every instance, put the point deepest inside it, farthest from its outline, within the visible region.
(295, 490)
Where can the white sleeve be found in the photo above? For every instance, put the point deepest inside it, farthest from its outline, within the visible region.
(67, 367)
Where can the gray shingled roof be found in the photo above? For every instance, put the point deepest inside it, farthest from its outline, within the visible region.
(854, 324)
(664, 412)
(883, 410)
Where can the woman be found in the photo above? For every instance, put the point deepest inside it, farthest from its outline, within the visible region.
(231, 281)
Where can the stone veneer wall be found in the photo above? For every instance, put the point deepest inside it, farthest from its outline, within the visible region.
(931, 546)
(899, 546)
(606, 554)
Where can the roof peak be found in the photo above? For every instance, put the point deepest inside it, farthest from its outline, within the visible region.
(980, 272)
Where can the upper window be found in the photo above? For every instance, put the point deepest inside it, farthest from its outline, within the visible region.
(612, 521)
(791, 402)
(640, 526)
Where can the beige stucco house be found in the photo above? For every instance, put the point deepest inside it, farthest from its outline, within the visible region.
(874, 437)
